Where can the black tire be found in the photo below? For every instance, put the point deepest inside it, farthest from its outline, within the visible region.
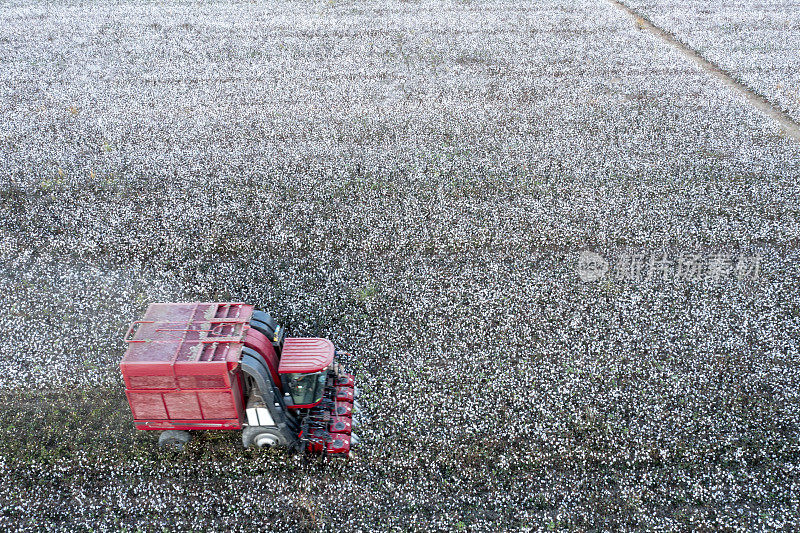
(261, 316)
(262, 328)
(174, 439)
(263, 437)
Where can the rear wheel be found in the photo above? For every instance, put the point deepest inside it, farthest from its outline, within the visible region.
(174, 439)
(263, 437)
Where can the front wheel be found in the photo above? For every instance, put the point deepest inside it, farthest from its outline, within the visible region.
(263, 437)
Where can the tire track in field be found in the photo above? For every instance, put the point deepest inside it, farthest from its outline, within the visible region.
(789, 126)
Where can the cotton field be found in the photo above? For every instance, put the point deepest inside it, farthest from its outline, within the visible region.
(754, 40)
(563, 258)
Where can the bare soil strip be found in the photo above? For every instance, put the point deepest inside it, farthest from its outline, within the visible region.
(786, 122)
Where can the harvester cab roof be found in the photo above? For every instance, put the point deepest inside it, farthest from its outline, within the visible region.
(195, 366)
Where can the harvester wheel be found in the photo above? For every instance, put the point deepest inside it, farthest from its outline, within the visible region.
(262, 328)
(262, 437)
(266, 318)
(174, 439)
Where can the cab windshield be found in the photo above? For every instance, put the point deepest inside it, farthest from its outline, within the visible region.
(307, 389)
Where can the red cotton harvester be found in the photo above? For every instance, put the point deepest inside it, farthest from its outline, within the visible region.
(200, 366)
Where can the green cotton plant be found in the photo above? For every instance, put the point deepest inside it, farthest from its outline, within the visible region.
(367, 292)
